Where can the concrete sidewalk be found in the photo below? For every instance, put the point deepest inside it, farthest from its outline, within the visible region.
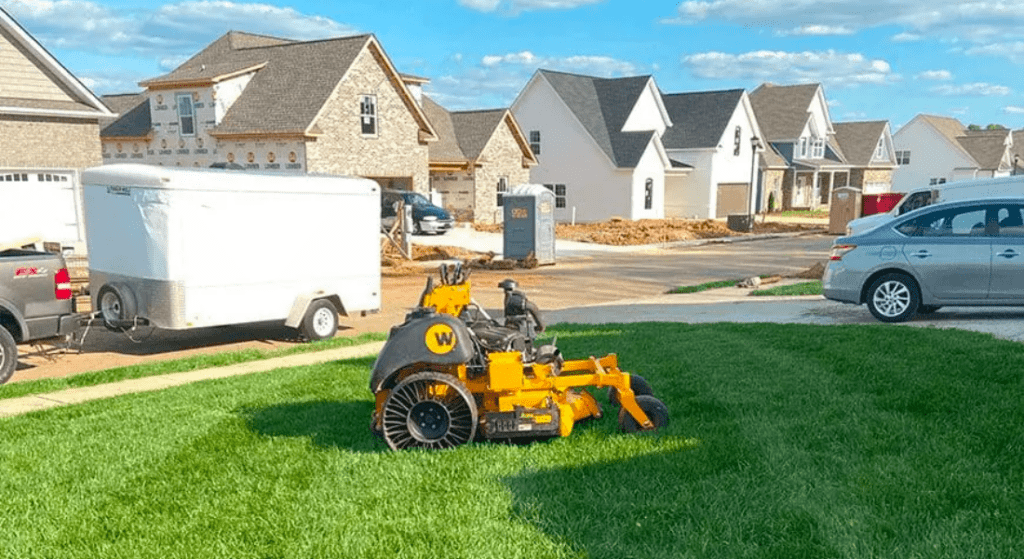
(26, 404)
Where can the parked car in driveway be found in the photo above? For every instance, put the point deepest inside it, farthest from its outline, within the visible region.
(426, 217)
(965, 253)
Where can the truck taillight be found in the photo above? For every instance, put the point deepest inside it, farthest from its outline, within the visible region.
(838, 251)
(62, 284)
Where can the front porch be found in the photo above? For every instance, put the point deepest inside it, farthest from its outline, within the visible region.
(811, 188)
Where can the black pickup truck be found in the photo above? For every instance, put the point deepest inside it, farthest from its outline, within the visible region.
(35, 302)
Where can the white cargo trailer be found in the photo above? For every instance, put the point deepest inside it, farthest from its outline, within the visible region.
(184, 249)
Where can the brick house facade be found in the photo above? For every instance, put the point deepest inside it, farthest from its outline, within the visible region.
(49, 132)
(336, 106)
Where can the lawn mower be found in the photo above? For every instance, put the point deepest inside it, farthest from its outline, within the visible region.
(451, 374)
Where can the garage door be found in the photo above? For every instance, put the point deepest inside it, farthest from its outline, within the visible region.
(44, 205)
(732, 199)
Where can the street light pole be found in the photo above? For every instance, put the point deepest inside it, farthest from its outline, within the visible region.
(755, 144)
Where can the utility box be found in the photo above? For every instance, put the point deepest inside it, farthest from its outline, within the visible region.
(845, 207)
(529, 223)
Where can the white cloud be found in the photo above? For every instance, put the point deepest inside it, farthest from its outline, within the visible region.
(1014, 110)
(971, 89)
(975, 22)
(817, 31)
(601, 66)
(172, 29)
(830, 67)
(517, 6)
(935, 75)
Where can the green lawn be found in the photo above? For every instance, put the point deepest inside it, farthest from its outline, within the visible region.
(43, 386)
(802, 288)
(786, 441)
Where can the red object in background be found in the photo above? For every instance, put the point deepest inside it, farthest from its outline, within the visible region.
(879, 203)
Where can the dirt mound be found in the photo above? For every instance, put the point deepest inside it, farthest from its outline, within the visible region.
(624, 232)
(814, 272)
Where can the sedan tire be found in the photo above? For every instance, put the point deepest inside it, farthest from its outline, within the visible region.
(893, 298)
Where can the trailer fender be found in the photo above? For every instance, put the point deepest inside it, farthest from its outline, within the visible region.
(302, 303)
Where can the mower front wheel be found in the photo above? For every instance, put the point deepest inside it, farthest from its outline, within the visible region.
(656, 411)
(637, 384)
(429, 410)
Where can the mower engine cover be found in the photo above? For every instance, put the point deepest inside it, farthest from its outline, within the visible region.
(424, 337)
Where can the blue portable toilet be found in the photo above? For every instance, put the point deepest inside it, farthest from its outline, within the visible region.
(529, 223)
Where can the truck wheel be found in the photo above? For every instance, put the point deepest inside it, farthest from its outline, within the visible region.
(321, 321)
(117, 306)
(8, 355)
(656, 411)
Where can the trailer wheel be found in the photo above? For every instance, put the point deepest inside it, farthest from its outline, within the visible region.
(429, 410)
(321, 321)
(656, 411)
(117, 306)
(637, 384)
(8, 355)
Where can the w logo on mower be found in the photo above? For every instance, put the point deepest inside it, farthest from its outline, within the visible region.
(440, 339)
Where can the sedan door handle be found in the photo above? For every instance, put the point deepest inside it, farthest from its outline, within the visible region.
(922, 254)
(1008, 253)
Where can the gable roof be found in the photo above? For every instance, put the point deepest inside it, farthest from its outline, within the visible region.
(81, 101)
(782, 110)
(292, 80)
(135, 120)
(699, 118)
(602, 106)
(858, 140)
(463, 135)
(986, 147)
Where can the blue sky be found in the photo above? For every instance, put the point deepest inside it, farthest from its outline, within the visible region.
(878, 60)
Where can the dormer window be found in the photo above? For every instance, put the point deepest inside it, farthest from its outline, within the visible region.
(186, 115)
(818, 148)
(368, 115)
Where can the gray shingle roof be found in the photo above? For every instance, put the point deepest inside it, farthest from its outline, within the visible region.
(462, 135)
(134, 120)
(781, 111)
(699, 119)
(986, 149)
(446, 148)
(602, 105)
(295, 79)
(859, 140)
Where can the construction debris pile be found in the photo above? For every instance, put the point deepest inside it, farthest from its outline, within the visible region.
(623, 232)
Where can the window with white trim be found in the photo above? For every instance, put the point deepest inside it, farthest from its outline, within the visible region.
(186, 115)
(502, 189)
(803, 147)
(559, 190)
(535, 141)
(368, 115)
(649, 190)
(880, 149)
(818, 148)
(903, 157)
(736, 141)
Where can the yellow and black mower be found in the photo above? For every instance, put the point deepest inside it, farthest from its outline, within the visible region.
(451, 374)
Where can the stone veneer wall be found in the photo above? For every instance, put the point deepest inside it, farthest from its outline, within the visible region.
(394, 152)
(56, 143)
(860, 177)
(772, 185)
(503, 158)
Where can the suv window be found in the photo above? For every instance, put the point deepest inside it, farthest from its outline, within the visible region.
(916, 200)
(960, 222)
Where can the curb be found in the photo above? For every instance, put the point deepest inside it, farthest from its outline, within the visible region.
(18, 406)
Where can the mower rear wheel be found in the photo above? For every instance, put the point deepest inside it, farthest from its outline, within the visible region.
(637, 384)
(656, 411)
(429, 410)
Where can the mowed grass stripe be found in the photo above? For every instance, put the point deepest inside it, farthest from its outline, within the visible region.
(785, 441)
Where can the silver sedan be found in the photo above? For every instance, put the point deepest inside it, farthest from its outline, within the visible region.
(966, 253)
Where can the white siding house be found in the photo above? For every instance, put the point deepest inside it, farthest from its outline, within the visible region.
(934, 150)
(597, 143)
(712, 132)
